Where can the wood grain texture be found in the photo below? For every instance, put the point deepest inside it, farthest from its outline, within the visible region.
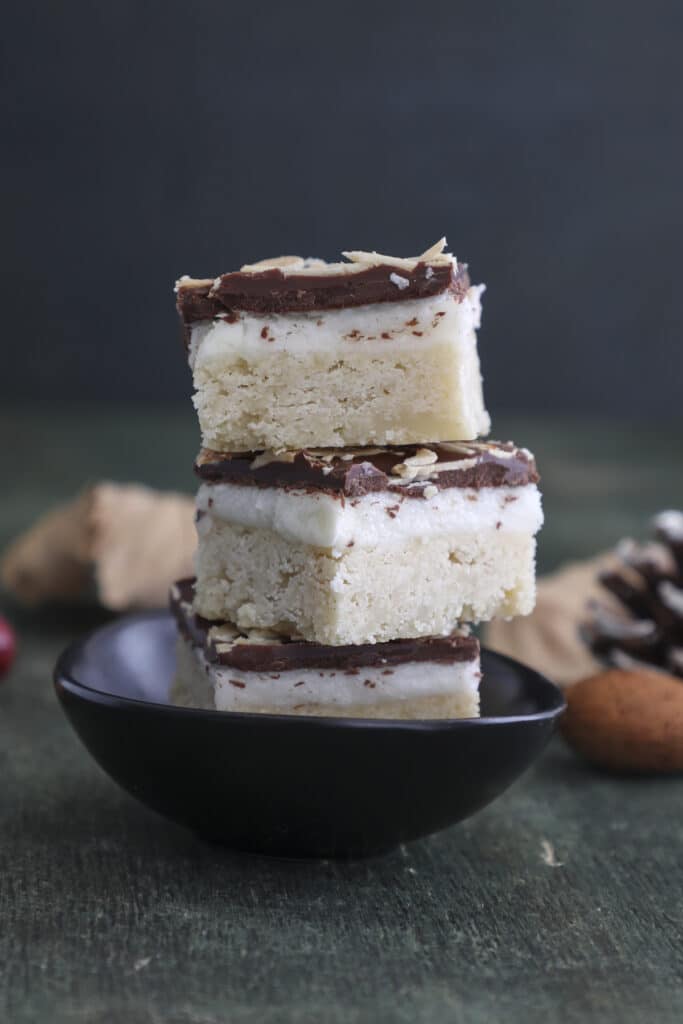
(110, 915)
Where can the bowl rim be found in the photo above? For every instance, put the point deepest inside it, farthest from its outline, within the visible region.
(65, 682)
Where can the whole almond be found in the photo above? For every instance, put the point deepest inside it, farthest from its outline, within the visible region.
(627, 721)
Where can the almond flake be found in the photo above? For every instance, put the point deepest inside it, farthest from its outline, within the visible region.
(442, 467)
(265, 458)
(435, 254)
(435, 250)
(224, 634)
(192, 282)
(406, 472)
(327, 454)
(422, 457)
(500, 453)
(457, 446)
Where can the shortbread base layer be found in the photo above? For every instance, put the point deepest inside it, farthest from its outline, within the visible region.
(391, 373)
(420, 587)
(414, 690)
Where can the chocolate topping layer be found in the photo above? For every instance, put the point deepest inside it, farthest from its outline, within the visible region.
(259, 651)
(274, 291)
(409, 470)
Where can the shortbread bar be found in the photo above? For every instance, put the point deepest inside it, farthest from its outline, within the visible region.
(289, 352)
(363, 546)
(222, 667)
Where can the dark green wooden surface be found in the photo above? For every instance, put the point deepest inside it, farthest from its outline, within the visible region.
(110, 914)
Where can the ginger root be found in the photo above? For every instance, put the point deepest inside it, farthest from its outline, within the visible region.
(124, 544)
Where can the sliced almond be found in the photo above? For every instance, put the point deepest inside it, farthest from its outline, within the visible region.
(435, 250)
(265, 458)
(406, 472)
(422, 457)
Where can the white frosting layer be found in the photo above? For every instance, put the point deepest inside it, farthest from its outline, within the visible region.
(383, 518)
(338, 688)
(386, 327)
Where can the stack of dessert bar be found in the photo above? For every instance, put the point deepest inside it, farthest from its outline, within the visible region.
(351, 527)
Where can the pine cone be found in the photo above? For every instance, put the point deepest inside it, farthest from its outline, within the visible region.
(647, 631)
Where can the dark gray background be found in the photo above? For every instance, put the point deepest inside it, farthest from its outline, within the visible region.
(145, 140)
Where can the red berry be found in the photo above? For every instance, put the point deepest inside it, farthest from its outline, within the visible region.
(8, 646)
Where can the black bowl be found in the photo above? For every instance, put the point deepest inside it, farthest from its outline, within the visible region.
(289, 785)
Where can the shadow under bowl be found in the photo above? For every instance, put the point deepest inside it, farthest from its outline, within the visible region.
(289, 785)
